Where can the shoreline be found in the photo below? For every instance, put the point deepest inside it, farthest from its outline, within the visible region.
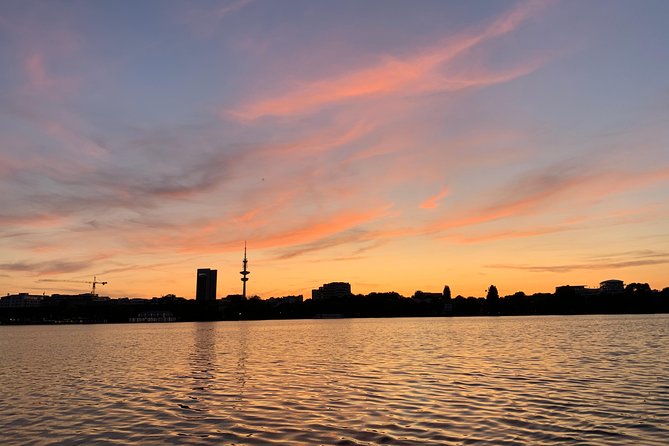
(74, 322)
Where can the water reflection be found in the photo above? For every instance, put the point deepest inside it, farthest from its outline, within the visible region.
(218, 365)
(546, 380)
(241, 355)
(203, 355)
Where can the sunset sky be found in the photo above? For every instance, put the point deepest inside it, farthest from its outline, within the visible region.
(396, 145)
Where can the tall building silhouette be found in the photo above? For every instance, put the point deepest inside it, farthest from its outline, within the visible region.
(244, 273)
(206, 285)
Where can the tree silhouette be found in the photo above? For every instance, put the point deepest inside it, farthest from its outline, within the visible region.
(447, 293)
(492, 300)
(493, 294)
(638, 288)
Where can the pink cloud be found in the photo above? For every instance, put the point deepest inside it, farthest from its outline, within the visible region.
(32, 220)
(630, 260)
(416, 74)
(208, 237)
(205, 22)
(73, 139)
(338, 134)
(40, 81)
(623, 217)
(433, 201)
(506, 235)
(555, 191)
(231, 7)
(37, 77)
(324, 227)
(513, 207)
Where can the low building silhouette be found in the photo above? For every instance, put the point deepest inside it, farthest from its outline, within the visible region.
(426, 296)
(576, 290)
(285, 300)
(332, 290)
(612, 286)
(21, 300)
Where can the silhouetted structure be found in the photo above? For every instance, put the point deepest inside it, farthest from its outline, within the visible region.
(608, 287)
(333, 290)
(244, 273)
(492, 300)
(21, 300)
(493, 294)
(448, 302)
(206, 285)
(334, 300)
(577, 290)
(285, 300)
(637, 288)
(426, 296)
(447, 293)
(612, 286)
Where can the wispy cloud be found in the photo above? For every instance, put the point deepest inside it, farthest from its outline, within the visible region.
(521, 196)
(112, 185)
(205, 22)
(47, 267)
(31, 220)
(632, 261)
(160, 266)
(314, 234)
(555, 186)
(40, 80)
(506, 235)
(434, 200)
(416, 74)
(317, 245)
(37, 76)
(231, 7)
(338, 133)
(594, 221)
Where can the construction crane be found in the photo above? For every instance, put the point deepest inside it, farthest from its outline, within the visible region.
(93, 283)
(95, 280)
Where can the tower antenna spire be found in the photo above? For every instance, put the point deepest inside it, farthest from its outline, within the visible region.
(244, 273)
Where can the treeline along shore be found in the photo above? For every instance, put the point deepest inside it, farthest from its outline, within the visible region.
(89, 308)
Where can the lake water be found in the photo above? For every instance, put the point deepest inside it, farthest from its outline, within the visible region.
(517, 380)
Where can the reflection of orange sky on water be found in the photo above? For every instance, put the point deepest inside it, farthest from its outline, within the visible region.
(485, 147)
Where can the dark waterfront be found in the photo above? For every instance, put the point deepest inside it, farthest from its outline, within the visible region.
(330, 300)
(484, 380)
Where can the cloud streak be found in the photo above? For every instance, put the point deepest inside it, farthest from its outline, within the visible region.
(318, 233)
(434, 200)
(592, 266)
(507, 235)
(418, 74)
(555, 186)
(47, 267)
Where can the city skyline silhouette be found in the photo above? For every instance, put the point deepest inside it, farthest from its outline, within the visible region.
(329, 300)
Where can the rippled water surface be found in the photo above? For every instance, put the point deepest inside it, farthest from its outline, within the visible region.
(525, 380)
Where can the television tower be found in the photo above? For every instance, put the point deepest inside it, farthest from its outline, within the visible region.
(245, 272)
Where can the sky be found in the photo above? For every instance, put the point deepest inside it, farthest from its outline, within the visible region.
(395, 145)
